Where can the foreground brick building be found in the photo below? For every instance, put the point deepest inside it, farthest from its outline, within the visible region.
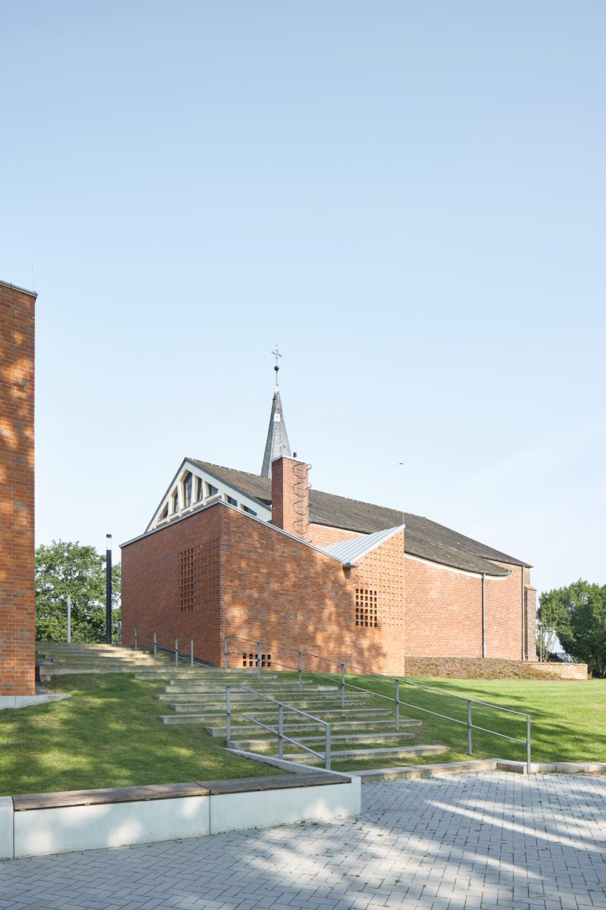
(17, 603)
(263, 557)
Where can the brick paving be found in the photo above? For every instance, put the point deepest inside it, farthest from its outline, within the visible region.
(491, 840)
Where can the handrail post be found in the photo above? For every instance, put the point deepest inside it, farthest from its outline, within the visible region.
(136, 643)
(228, 714)
(327, 749)
(300, 665)
(280, 731)
(155, 645)
(528, 761)
(469, 752)
(258, 660)
(191, 653)
(225, 657)
(342, 685)
(397, 705)
(176, 652)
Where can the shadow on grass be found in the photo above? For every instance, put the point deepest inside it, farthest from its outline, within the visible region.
(107, 735)
(568, 719)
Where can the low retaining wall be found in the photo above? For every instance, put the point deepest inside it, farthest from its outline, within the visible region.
(45, 823)
(28, 701)
(561, 671)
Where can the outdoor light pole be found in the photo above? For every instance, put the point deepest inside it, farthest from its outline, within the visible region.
(108, 590)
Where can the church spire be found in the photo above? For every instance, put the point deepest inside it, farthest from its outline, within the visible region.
(277, 438)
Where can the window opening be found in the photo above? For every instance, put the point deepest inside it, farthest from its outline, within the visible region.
(188, 481)
(210, 490)
(199, 489)
(231, 500)
(366, 608)
(164, 513)
(175, 501)
(248, 511)
(251, 660)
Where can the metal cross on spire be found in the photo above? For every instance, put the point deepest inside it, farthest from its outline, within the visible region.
(276, 354)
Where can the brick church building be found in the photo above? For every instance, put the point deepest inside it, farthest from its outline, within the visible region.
(264, 557)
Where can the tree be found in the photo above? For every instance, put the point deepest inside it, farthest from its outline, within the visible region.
(70, 568)
(578, 615)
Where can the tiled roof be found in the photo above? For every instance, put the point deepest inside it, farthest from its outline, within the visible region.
(423, 538)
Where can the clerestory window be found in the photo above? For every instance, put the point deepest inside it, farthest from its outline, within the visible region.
(188, 481)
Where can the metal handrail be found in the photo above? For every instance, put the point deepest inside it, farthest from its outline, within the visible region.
(280, 731)
(153, 643)
(398, 701)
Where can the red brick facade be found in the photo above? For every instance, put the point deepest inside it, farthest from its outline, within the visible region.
(444, 612)
(17, 609)
(219, 572)
(322, 536)
(261, 584)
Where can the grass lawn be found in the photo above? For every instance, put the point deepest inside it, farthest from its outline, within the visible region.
(107, 735)
(568, 718)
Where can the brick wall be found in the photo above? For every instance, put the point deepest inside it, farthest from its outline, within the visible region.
(220, 572)
(266, 586)
(17, 606)
(444, 612)
(171, 583)
(322, 536)
(279, 590)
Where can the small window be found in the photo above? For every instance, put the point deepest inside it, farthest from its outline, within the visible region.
(248, 511)
(199, 489)
(366, 608)
(231, 500)
(164, 513)
(187, 489)
(175, 501)
(252, 660)
(210, 490)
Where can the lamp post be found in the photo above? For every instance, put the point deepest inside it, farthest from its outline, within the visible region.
(108, 590)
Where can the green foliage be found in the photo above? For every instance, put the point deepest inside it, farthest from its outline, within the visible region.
(70, 568)
(578, 616)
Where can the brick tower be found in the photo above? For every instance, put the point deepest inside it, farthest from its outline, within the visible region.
(17, 591)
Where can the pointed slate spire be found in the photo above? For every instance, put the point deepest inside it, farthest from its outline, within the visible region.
(277, 438)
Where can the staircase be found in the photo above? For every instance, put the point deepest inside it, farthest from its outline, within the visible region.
(363, 726)
(90, 658)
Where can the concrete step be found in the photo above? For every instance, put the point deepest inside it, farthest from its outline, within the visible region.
(98, 664)
(415, 771)
(47, 673)
(322, 711)
(266, 745)
(213, 688)
(332, 716)
(303, 758)
(340, 726)
(245, 698)
(197, 673)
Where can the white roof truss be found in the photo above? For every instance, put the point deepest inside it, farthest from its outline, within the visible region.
(205, 489)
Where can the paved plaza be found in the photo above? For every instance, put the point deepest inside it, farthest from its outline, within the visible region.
(470, 841)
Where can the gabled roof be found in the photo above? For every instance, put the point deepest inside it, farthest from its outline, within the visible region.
(423, 538)
(349, 551)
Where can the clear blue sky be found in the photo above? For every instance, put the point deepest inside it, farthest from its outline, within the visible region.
(408, 197)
